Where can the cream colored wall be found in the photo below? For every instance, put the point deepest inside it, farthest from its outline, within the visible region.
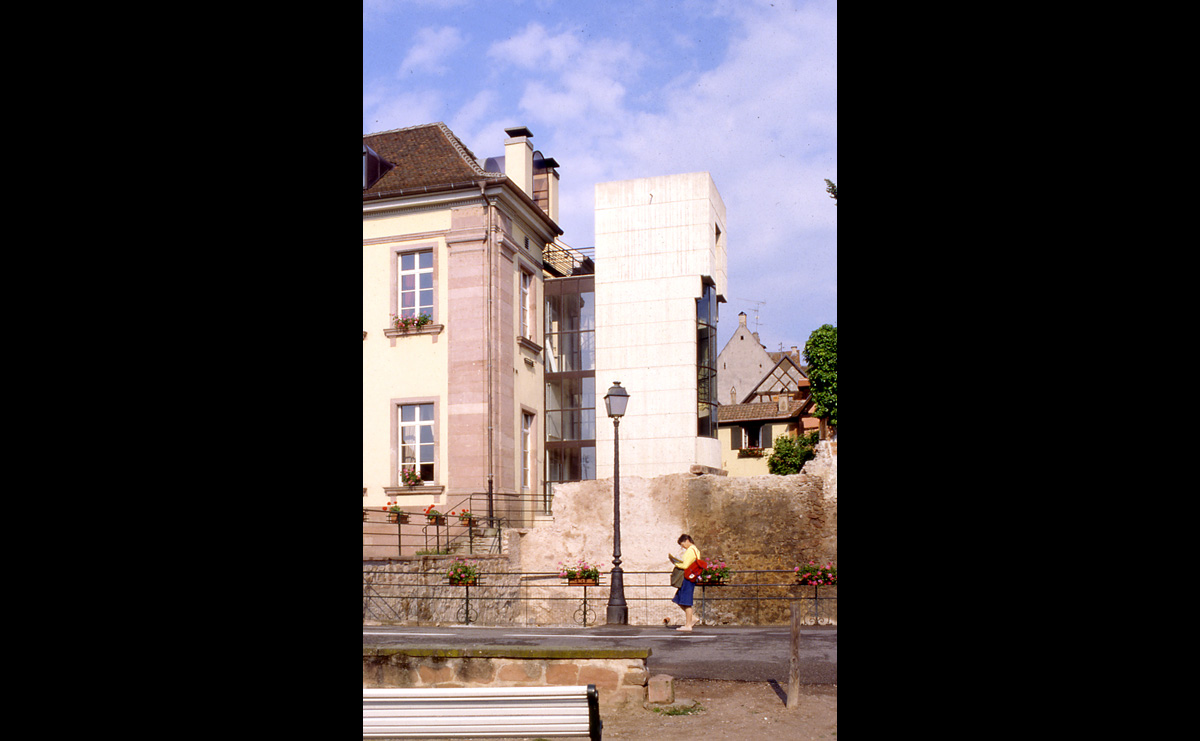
(416, 367)
(529, 378)
(655, 239)
(736, 466)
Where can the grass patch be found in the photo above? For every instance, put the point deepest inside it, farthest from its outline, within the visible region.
(693, 709)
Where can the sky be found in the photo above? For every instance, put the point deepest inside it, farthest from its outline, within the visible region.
(745, 90)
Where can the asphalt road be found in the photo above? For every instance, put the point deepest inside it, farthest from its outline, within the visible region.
(748, 654)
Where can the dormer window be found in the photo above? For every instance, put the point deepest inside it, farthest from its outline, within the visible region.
(374, 167)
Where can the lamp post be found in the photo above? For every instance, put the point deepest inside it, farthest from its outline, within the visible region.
(618, 612)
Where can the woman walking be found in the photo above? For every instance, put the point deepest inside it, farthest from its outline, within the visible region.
(683, 595)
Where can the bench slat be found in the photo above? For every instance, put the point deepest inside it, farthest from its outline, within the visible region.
(478, 712)
(427, 732)
(455, 693)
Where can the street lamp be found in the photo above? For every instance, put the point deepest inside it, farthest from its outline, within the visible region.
(618, 612)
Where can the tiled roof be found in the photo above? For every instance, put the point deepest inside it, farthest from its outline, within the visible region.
(425, 156)
(758, 411)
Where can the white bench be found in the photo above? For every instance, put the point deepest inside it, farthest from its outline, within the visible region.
(469, 712)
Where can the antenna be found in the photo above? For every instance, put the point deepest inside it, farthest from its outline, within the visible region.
(757, 306)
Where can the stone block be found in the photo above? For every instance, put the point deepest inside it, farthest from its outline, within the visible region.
(603, 678)
(524, 671)
(562, 674)
(431, 675)
(661, 690)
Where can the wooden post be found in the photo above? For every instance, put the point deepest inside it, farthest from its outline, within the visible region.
(793, 696)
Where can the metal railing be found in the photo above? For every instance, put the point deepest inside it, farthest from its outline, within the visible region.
(759, 597)
(418, 535)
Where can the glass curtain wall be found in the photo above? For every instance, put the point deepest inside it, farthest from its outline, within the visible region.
(570, 382)
(706, 362)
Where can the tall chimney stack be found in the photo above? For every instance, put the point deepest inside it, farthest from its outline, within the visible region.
(518, 158)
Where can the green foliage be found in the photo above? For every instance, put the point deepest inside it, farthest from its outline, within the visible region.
(820, 352)
(831, 189)
(791, 453)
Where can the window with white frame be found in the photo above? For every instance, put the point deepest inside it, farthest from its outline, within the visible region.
(527, 449)
(417, 441)
(526, 305)
(415, 289)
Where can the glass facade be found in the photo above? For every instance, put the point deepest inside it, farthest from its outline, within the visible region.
(570, 347)
(706, 362)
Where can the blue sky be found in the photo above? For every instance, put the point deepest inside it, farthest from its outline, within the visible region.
(619, 89)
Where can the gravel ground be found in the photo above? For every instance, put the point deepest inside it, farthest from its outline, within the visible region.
(732, 711)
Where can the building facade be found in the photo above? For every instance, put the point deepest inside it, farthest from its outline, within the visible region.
(767, 396)
(454, 259)
(661, 274)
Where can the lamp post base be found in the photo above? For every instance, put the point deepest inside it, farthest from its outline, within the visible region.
(618, 610)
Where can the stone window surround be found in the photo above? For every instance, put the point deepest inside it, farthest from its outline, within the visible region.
(434, 328)
(394, 477)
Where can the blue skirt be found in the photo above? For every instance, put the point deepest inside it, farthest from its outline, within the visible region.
(683, 595)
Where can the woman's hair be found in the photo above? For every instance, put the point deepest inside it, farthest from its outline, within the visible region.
(684, 537)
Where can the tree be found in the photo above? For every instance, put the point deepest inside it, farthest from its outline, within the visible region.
(791, 453)
(831, 189)
(820, 352)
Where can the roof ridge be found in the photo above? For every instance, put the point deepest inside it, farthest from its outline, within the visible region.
(461, 149)
(467, 155)
(404, 128)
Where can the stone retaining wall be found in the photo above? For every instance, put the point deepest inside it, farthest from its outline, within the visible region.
(754, 524)
(620, 675)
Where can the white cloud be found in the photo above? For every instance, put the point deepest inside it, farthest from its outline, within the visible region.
(386, 110)
(431, 48)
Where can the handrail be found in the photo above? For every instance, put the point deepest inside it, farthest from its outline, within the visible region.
(516, 588)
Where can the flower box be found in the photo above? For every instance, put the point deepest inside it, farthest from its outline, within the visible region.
(581, 571)
(715, 574)
(437, 520)
(812, 575)
(462, 573)
(583, 582)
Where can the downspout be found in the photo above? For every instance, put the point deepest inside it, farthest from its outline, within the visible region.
(487, 338)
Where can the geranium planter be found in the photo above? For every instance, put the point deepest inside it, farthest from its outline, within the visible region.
(583, 582)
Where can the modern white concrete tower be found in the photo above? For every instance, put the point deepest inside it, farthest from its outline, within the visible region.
(660, 274)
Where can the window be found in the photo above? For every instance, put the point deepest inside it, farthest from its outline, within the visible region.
(526, 304)
(415, 289)
(706, 362)
(750, 436)
(571, 408)
(527, 449)
(570, 331)
(570, 426)
(374, 167)
(416, 440)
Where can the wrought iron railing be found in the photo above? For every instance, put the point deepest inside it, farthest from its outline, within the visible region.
(761, 595)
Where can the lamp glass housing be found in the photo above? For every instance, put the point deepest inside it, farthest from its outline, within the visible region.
(616, 400)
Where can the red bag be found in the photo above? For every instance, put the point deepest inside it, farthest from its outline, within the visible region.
(694, 570)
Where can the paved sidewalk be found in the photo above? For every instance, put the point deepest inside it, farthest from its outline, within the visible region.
(745, 654)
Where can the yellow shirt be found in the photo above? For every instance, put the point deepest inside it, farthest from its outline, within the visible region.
(690, 556)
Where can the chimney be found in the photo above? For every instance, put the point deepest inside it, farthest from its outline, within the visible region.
(551, 175)
(742, 319)
(518, 158)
